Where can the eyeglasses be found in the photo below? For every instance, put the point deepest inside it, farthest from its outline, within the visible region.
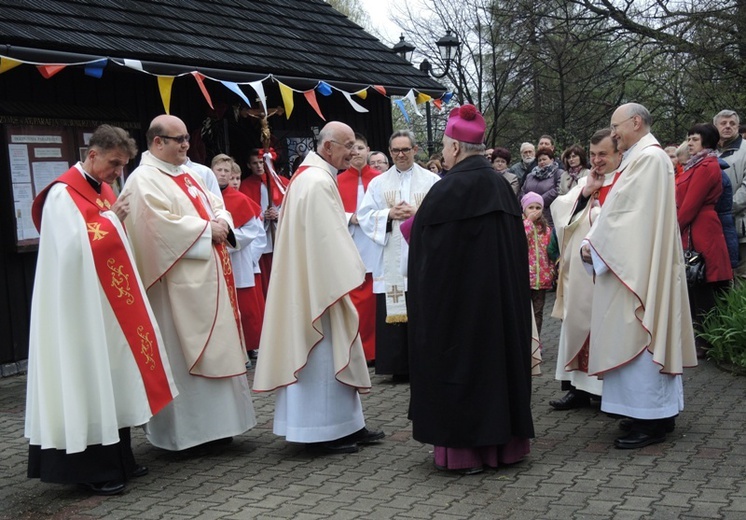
(397, 151)
(348, 145)
(178, 138)
(617, 125)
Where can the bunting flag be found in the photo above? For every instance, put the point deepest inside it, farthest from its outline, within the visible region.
(354, 104)
(311, 98)
(400, 104)
(8, 63)
(49, 70)
(324, 88)
(410, 97)
(423, 98)
(287, 99)
(164, 85)
(133, 64)
(259, 89)
(95, 69)
(233, 87)
(201, 82)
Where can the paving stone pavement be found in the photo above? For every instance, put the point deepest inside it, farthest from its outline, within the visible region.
(573, 470)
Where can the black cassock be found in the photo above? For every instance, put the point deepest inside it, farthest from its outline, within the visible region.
(469, 311)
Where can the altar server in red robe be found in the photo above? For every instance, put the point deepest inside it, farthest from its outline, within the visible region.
(353, 182)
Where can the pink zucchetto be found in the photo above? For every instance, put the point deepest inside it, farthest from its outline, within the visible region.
(466, 124)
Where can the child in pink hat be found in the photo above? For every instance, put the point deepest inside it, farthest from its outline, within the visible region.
(540, 268)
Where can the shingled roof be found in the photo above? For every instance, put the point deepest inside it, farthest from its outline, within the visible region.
(295, 40)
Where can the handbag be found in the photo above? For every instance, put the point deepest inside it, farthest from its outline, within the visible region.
(694, 264)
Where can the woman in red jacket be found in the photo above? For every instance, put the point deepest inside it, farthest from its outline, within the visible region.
(698, 188)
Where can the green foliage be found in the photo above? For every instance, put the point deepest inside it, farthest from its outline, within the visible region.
(725, 328)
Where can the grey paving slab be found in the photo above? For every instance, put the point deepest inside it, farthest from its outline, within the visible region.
(573, 471)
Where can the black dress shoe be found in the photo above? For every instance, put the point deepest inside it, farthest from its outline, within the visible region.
(638, 439)
(572, 399)
(112, 487)
(364, 436)
(333, 447)
(140, 471)
(669, 424)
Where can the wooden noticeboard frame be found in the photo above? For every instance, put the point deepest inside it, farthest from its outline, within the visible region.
(37, 154)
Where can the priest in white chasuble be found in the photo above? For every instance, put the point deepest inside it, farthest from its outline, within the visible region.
(311, 351)
(179, 231)
(97, 364)
(641, 326)
(392, 198)
(573, 214)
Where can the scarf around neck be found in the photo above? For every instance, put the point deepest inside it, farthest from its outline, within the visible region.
(698, 157)
(545, 172)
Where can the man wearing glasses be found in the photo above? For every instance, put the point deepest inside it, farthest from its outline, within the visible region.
(179, 231)
(641, 329)
(311, 352)
(393, 197)
(378, 161)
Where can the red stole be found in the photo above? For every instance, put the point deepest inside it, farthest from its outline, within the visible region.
(240, 206)
(118, 280)
(184, 181)
(348, 185)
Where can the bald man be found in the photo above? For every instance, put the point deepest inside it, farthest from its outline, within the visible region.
(311, 352)
(641, 329)
(179, 231)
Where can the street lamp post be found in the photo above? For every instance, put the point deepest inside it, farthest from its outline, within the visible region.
(446, 45)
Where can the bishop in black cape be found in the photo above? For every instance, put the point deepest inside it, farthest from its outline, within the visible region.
(469, 312)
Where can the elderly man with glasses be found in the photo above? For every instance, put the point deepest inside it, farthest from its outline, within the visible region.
(179, 231)
(393, 197)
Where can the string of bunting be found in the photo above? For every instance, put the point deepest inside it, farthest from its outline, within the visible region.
(95, 68)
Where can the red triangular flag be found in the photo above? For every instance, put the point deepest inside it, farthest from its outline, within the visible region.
(49, 70)
(438, 103)
(200, 81)
(311, 98)
(380, 89)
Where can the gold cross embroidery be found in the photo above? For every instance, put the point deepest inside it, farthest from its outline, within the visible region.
(98, 233)
(100, 203)
(395, 293)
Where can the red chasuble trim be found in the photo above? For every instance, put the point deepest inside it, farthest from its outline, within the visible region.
(184, 181)
(118, 280)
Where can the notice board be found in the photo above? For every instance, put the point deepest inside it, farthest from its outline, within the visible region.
(36, 156)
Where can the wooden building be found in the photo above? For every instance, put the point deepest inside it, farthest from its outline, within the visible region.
(67, 66)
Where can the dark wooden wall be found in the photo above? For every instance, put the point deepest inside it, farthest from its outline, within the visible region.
(130, 99)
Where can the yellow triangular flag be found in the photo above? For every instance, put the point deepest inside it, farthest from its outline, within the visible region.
(164, 85)
(7, 63)
(423, 98)
(287, 99)
(362, 94)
